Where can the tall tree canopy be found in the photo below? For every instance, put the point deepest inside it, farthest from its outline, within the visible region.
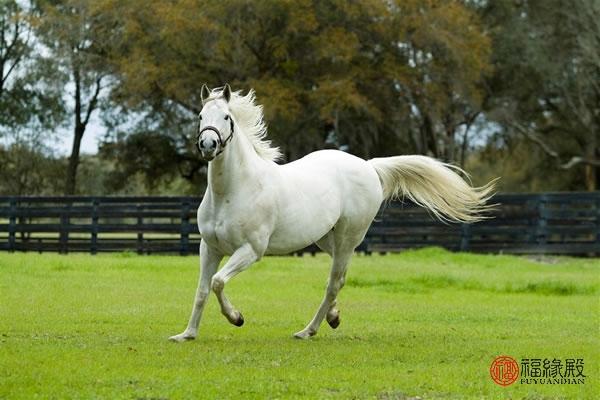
(547, 82)
(22, 100)
(475, 81)
(388, 77)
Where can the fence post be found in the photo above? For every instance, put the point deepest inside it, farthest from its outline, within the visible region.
(140, 235)
(12, 228)
(64, 228)
(541, 231)
(94, 244)
(597, 253)
(185, 228)
(465, 236)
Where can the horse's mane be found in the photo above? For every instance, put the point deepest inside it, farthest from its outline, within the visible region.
(249, 117)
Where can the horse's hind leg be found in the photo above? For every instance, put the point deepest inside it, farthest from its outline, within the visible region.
(333, 316)
(336, 282)
(342, 241)
(327, 244)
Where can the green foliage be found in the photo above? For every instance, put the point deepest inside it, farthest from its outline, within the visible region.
(151, 156)
(546, 85)
(521, 166)
(14, 48)
(77, 38)
(23, 101)
(386, 77)
(359, 66)
(424, 323)
(28, 171)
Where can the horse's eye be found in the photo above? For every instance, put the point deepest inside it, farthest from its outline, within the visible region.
(226, 117)
(200, 117)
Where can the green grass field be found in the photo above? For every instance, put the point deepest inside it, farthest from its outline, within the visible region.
(423, 324)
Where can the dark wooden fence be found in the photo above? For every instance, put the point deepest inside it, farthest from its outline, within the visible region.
(99, 224)
(548, 223)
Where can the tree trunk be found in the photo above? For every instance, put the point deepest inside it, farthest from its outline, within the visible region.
(592, 152)
(71, 182)
(464, 145)
(590, 177)
(429, 138)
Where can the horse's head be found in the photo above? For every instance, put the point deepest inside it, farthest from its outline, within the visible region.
(215, 124)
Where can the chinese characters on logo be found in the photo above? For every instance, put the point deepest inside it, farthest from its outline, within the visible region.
(550, 372)
(505, 371)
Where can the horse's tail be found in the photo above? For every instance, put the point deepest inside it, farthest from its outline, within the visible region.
(433, 185)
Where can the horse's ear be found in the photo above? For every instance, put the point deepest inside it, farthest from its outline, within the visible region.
(204, 93)
(227, 92)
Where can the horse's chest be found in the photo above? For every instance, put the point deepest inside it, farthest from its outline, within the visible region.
(218, 229)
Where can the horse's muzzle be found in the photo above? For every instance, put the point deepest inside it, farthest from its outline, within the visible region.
(207, 158)
(208, 146)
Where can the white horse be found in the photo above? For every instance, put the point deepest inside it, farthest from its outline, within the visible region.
(254, 207)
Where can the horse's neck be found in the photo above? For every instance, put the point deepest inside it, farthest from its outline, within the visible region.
(238, 164)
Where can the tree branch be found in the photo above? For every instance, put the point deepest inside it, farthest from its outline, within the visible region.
(575, 160)
(15, 39)
(536, 139)
(93, 101)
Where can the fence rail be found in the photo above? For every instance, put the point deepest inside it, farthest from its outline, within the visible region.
(546, 223)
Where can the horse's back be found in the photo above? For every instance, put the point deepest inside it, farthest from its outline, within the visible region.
(355, 179)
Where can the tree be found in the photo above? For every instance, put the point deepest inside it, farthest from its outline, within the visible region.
(15, 46)
(388, 78)
(26, 168)
(447, 55)
(546, 85)
(78, 41)
(22, 100)
(152, 157)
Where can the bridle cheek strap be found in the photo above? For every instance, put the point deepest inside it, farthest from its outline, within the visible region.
(222, 143)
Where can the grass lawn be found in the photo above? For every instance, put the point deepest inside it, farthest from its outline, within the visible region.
(421, 324)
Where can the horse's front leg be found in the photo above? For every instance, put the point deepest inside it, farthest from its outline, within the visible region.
(210, 262)
(241, 259)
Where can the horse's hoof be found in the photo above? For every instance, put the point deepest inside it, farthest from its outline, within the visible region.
(305, 334)
(334, 322)
(239, 321)
(182, 337)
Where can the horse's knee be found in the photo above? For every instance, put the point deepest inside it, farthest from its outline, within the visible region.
(217, 284)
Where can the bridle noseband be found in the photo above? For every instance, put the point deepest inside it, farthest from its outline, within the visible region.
(222, 143)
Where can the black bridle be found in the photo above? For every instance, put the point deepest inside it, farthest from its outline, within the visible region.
(222, 143)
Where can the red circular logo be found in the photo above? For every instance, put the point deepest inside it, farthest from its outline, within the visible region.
(504, 370)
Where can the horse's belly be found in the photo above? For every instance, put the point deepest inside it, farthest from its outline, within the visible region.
(296, 237)
(307, 212)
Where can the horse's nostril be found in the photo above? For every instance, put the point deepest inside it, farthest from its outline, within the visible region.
(213, 143)
(202, 143)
